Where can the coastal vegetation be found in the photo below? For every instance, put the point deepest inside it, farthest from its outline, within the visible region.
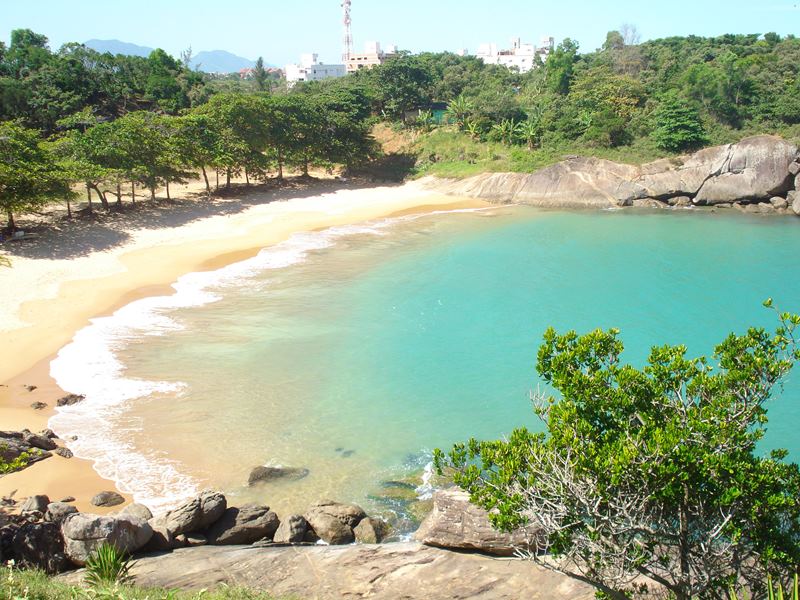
(652, 473)
(75, 118)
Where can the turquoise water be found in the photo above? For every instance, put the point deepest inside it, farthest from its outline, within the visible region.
(361, 357)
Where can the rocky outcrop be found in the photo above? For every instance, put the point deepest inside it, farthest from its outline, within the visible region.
(456, 523)
(36, 503)
(753, 170)
(139, 511)
(244, 525)
(83, 533)
(14, 444)
(383, 572)
(58, 511)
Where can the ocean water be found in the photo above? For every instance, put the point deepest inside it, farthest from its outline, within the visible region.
(354, 351)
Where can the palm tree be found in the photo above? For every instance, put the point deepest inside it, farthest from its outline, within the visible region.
(505, 130)
(473, 129)
(528, 131)
(458, 111)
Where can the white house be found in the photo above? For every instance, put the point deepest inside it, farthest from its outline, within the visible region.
(310, 69)
(520, 56)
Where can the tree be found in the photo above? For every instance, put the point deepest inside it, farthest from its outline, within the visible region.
(651, 472)
(29, 174)
(458, 111)
(560, 66)
(260, 76)
(678, 125)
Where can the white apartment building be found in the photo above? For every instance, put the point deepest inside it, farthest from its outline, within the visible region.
(520, 56)
(310, 69)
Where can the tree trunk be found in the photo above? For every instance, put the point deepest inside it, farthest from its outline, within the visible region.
(280, 164)
(101, 195)
(246, 178)
(205, 177)
(153, 192)
(168, 197)
(305, 166)
(684, 549)
(89, 197)
(216, 171)
(227, 179)
(119, 194)
(12, 226)
(69, 209)
(133, 193)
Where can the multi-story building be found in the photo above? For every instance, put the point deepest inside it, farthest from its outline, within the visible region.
(520, 56)
(310, 69)
(373, 55)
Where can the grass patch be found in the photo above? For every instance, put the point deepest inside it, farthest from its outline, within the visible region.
(23, 584)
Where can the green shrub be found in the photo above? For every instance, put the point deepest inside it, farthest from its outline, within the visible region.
(108, 566)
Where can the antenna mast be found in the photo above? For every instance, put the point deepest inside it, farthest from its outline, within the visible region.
(348, 34)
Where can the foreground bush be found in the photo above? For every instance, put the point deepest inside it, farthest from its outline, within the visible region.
(651, 473)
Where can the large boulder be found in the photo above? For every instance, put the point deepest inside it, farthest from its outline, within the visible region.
(757, 169)
(13, 445)
(162, 539)
(137, 510)
(370, 531)
(457, 523)
(40, 545)
(333, 522)
(197, 514)
(84, 533)
(794, 199)
(37, 503)
(38, 440)
(292, 530)
(243, 525)
(58, 511)
(264, 474)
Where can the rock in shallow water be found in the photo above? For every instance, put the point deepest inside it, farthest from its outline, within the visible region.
(334, 522)
(263, 474)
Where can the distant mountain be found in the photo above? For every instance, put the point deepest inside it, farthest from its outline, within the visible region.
(216, 61)
(118, 47)
(220, 61)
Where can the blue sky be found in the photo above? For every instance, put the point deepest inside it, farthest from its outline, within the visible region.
(280, 31)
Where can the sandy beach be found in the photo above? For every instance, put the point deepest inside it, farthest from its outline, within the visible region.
(91, 268)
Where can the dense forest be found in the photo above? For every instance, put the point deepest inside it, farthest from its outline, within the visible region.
(77, 118)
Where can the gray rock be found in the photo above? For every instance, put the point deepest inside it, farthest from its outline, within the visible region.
(84, 533)
(40, 545)
(190, 540)
(648, 203)
(725, 205)
(37, 440)
(778, 202)
(370, 531)
(108, 498)
(457, 523)
(794, 198)
(334, 522)
(263, 474)
(63, 452)
(36, 503)
(243, 525)
(292, 530)
(766, 207)
(39, 405)
(794, 168)
(139, 511)
(197, 514)
(680, 201)
(57, 511)
(70, 399)
(68, 499)
(162, 539)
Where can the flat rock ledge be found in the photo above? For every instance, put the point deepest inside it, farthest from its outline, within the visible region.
(386, 571)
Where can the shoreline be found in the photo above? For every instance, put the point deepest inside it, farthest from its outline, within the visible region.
(100, 282)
